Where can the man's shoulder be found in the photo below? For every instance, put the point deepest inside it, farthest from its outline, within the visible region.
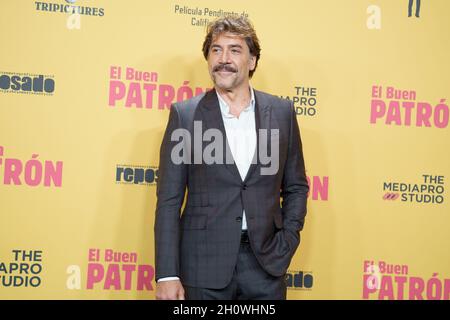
(190, 104)
(273, 100)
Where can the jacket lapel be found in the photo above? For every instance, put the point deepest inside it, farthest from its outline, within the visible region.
(262, 121)
(211, 114)
(210, 109)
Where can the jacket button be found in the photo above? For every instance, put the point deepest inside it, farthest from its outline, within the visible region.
(244, 187)
(239, 219)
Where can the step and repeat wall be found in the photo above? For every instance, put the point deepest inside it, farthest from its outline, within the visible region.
(85, 92)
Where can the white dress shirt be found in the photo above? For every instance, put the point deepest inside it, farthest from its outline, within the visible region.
(241, 137)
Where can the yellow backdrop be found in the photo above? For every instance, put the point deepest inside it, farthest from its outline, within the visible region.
(85, 90)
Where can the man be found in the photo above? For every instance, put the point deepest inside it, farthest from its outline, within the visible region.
(233, 240)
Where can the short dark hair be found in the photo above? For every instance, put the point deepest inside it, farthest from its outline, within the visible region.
(237, 25)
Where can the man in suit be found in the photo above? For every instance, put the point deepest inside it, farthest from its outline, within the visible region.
(233, 239)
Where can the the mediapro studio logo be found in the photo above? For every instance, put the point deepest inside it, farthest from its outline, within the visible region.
(304, 100)
(299, 280)
(430, 190)
(28, 83)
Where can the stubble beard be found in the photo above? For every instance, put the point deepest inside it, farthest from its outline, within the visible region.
(227, 84)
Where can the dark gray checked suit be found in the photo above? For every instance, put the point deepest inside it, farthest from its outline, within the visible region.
(201, 247)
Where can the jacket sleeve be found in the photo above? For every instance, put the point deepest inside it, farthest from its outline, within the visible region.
(294, 188)
(170, 191)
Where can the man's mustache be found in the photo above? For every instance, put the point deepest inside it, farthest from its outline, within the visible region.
(224, 67)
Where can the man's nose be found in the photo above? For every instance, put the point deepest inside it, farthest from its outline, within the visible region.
(224, 57)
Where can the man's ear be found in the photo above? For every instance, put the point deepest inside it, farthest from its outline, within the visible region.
(252, 63)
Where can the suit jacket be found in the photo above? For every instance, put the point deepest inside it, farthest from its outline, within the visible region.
(202, 245)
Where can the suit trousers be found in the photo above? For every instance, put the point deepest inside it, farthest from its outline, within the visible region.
(249, 281)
